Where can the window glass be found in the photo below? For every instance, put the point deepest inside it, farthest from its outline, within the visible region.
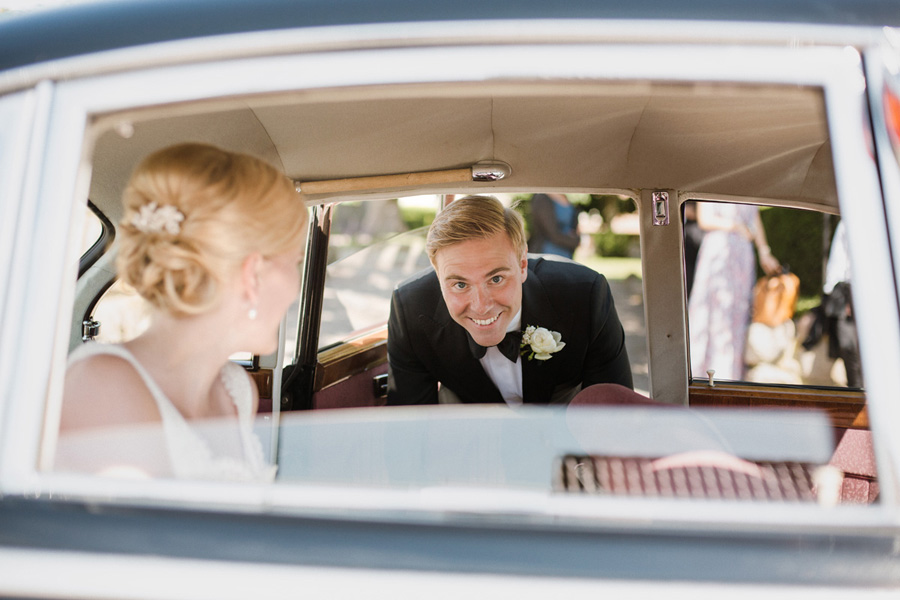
(122, 314)
(606, 233)
(610, 244)
(374, 245)
(768, 296)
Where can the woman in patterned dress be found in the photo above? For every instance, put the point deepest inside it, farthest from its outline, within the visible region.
(719, 306)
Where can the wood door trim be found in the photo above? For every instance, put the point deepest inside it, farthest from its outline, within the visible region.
(351, 357)
(263, 380)
(846, 408)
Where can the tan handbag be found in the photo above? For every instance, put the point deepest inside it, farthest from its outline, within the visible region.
(775, 298)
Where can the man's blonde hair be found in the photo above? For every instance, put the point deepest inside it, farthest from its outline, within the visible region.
(232, 205)
(475, 217)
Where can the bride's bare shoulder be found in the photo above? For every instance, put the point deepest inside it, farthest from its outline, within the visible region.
(105, 390)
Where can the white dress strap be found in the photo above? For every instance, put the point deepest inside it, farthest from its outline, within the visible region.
(190, 455)
(235, 380)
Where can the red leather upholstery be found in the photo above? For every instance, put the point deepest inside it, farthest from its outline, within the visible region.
(355, 391)
(855, 456)
(610, 394)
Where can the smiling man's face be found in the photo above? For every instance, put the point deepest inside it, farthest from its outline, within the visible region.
(481, 281)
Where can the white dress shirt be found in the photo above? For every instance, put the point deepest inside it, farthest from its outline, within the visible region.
(505, 374)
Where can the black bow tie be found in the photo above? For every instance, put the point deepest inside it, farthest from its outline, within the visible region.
(509, 346)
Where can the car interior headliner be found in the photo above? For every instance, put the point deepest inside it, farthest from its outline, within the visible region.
(725, 140)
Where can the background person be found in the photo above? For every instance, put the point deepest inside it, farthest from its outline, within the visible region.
(554, 225)
(719, 305)
(213, 241)
(838, 307)
(693, 238)
(449, 325)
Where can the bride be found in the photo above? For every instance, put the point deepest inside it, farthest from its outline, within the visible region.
(213, 240)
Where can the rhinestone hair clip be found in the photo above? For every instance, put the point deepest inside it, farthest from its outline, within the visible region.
(153, 218)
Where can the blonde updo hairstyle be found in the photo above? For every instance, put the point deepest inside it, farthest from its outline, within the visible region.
(233, 205)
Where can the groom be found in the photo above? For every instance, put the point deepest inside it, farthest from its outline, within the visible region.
(490, 325)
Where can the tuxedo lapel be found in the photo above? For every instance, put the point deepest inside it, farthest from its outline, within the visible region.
(537, 375)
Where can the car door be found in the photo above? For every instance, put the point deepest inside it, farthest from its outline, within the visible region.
(371, 247)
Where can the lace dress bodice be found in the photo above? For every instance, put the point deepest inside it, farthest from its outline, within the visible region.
(191, 456)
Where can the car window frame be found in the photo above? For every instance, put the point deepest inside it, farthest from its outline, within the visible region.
(99, 247)
(106, 99)
(18, 123)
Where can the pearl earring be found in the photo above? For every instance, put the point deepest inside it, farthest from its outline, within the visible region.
(251, 314)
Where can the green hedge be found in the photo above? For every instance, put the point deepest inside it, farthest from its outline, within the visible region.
(416, 217)
(611, 244)
(796, 239)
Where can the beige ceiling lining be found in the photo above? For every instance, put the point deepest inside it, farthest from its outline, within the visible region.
(726, 140)
(770, 164)
(636, 128)
(493, 133)
(380, 137)
(116, 156)
(798, 203)
(818, 181)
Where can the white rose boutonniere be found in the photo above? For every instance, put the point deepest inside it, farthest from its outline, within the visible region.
(540, 343)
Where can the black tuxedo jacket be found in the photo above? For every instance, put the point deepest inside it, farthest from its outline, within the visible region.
(425, 345)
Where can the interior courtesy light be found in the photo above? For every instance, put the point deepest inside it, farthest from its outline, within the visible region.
(482, 171)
